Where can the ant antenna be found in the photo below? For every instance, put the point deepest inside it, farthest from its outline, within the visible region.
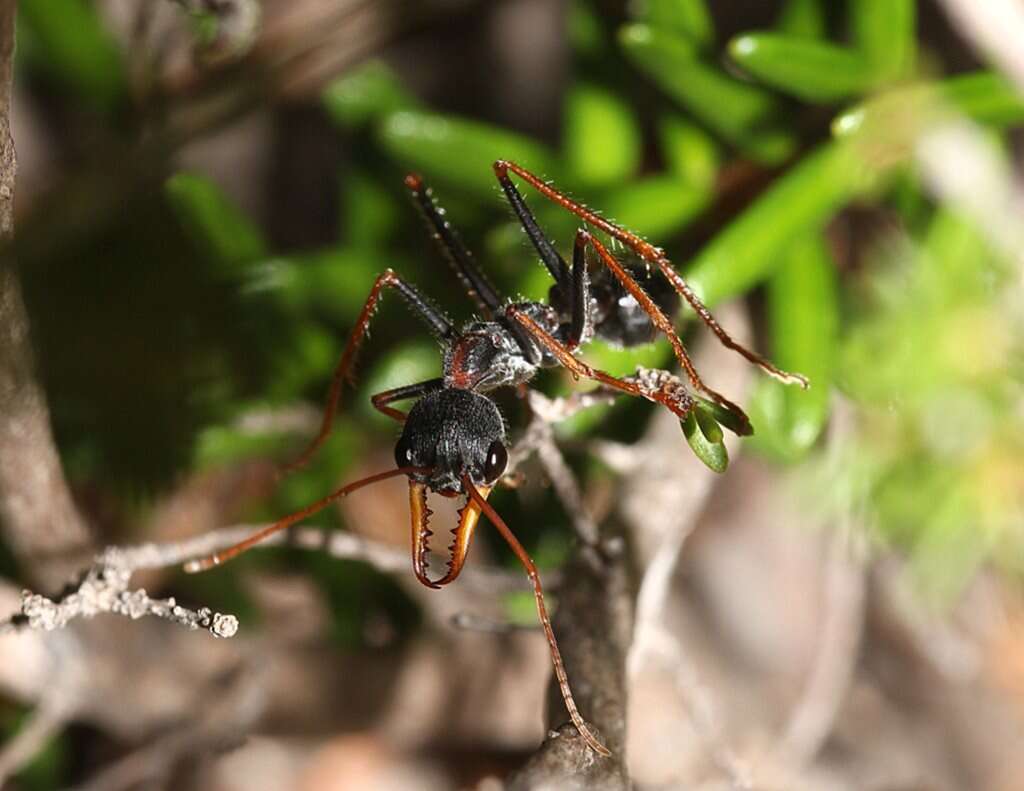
(202, 564)
(542, 611)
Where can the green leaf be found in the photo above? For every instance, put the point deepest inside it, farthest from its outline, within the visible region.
(727, 418)
(812, 70)
(70, 42)
(584, 29)
(982, 96)
(745, 115)
(708, 426)
(601, 139)
(689, 18)
(656, 206)
(884, 32)
(749, 249)
(803, 315)
(459, 151)
(369, 215)
(689, 152)
(802, 18)
(214, 222)
(369, 92)
(713, 454)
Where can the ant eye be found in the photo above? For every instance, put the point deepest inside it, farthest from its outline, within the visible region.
(403, 453)
(497, 458)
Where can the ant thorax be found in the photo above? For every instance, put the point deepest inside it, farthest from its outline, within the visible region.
(491, 354)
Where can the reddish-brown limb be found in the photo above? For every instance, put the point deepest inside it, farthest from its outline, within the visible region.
(653, 255)
(202, 564)
(678, 401)
(538, 594)
(661, 321)
(346, 365)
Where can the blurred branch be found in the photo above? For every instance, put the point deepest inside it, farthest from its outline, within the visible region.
(104, 589)
(813, 718)
(37, 514)
(996, 27)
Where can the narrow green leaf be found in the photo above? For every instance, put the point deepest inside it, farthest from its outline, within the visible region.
(713, 454)
(802, 18)
(816, 71)
(708, 426)
(884, 32)
(689, 151)
(727, 418)
(803, 305)
(982, 96)
(365, 94)
(749, 249)
(601, 139)
(689, 18)
(459, 151)
(70, 42)
(213, 221)
(745, 115)
(657, 206)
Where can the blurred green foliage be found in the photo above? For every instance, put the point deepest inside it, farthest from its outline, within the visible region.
(736, 156)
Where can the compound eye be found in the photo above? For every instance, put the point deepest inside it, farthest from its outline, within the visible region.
(403, 453)
(497, 458)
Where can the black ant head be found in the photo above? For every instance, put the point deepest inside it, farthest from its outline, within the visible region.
(452, 433)
(457, 438)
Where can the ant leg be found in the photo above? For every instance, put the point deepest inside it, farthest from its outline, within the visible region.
(452, 247)
(662, 322)
(538, 594)
(436, 320)
(380, 401)
(651, 254)
(579, 292)
(545, 249)
(665, 392)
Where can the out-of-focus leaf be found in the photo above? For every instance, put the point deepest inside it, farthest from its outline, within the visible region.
(749, 249)
(656, 206)
(334, 282)
(689, 152)
(369, 214)
(602, 139)
(713, 454)
(982, 96)
(745, 115)
(813, 70)
(459, 151)
(367, 93)
(585, 31)
(71, 43)
(802, 18)
(214, 222)
(687, 17)
(884, 31)
(803, 316)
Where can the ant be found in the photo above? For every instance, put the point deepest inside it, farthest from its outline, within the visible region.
(453, 439)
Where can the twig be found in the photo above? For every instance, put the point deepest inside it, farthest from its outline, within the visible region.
(45, 721)
(812, 719)
(104, 589)
(555, 466)
(37, 513)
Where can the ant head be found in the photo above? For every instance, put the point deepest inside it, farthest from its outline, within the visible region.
(452, 433)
